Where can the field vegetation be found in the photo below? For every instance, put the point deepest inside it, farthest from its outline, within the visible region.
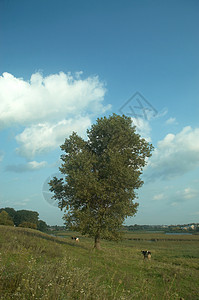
(34, 265)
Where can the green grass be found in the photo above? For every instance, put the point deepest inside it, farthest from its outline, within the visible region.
(34, 265)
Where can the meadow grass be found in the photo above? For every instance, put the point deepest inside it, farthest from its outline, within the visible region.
(35, 265)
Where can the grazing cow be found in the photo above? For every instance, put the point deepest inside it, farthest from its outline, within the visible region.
(75, 238)
(146, 254)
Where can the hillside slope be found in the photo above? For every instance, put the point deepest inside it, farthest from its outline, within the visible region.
(34, 265)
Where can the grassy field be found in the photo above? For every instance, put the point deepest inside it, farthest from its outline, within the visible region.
(34, 265)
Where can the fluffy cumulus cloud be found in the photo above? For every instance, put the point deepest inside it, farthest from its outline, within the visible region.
(48, 98)
(142, 127)
(42, 137)
(142, 122)
(175, 155)
(30, 166)
(49, 108)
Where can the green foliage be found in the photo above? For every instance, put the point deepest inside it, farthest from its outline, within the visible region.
(101, 176)
(28, 225)
(42, 226)
(25, 216)
(10, 211)
(5, 219)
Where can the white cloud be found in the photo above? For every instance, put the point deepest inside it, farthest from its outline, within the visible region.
(184, 195)
(43, 137)
(30, 166)
(142, 127)
(158, 197)
(162, 113)
(175, 155)
(49, 108)
(48, 98)
(34, 165)
(171, 121)
(189, 193)
(23, 202)
(142, 123)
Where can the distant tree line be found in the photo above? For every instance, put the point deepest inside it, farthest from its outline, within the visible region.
(22, 218)
(167, 228)
(136, 227)
(57, 228)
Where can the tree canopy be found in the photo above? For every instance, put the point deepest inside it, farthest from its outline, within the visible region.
(101, 176)
(5, 219)
(23, 218)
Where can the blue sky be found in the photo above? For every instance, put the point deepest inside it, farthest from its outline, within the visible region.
(65, 63)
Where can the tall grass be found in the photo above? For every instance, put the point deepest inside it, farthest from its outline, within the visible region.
(38, 266)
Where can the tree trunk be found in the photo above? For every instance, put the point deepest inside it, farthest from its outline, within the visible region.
(97, 242)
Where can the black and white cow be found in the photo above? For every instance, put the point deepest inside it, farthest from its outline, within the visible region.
(75, 238)
(146, 254)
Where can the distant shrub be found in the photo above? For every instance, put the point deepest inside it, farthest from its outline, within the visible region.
(42, 226)
(5, 219)
(28, 225)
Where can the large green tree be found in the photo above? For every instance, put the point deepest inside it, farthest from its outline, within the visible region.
(25, 216)
(102, 175)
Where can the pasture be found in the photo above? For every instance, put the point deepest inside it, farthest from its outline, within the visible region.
(34, 265)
